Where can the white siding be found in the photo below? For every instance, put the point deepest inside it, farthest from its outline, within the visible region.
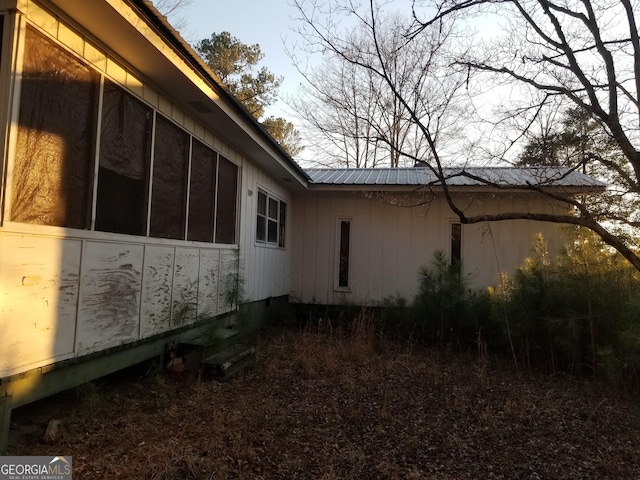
(391, 242)
(156, 290)
(264, 268)
(66, 297)
(39, 282)
(66, 293)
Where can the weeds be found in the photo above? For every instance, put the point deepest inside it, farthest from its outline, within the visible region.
(378, 414)
(355, 341)
(90, 399)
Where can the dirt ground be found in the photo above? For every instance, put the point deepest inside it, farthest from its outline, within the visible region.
(328, 406)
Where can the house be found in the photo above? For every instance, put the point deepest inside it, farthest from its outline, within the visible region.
(136, 192)
(360, 234)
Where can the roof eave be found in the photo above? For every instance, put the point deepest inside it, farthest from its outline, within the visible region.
(486, 189)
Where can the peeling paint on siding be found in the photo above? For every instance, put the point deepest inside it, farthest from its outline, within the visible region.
(109, 308)
(228, 268)
(209, 282)
(185, 287)
(156, 290)
(38, 297)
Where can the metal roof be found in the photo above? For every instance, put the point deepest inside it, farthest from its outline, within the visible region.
(459, 177)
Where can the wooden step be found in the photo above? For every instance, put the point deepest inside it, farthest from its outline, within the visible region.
(231, 361)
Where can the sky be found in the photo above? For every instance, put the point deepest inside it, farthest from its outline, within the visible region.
(265, 22)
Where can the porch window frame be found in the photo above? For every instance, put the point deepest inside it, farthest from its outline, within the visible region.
(12, 45)
(7, 56)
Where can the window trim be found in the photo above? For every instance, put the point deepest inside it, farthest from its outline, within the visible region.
(339, 263)
(280, 225)
(455, 243)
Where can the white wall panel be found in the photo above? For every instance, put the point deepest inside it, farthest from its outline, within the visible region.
(228, 278)
(392, 242)
(264, 268)
(185, 287)
(157, 282)
(209, 280)
(38, 298)
(110, 289)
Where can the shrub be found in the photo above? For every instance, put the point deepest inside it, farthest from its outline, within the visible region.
(446, 311)
(577, 314)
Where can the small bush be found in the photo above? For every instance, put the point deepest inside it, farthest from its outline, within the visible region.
(446, 312)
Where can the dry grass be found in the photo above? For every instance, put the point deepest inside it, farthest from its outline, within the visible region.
(342, 403)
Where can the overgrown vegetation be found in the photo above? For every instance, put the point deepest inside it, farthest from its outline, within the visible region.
(578, 314)
(340, 400)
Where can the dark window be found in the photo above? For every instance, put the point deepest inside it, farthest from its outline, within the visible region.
(283, 224)
(343, 260)
(227, 201)
(202, 193)
(456, 243)
(169, 187)
(125, 149)
(261, 226)
(52, 175)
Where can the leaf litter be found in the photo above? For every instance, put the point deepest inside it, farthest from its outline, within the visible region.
(321, 405)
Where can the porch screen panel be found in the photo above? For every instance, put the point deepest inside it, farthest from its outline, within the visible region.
(58, 106)
(169, 188)
(1, 35)
(227, 201)
(125, 150)
(202, 193)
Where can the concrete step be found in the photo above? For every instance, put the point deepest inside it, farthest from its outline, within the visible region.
(230, 361)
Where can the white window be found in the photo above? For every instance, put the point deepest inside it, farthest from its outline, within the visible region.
(271, 217)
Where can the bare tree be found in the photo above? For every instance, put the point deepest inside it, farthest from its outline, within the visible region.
(566, 52)
(173, 10)
(348, 104)
(336, 107)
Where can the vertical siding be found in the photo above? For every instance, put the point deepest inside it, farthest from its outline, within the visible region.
(185, 286)
(391, 243)
(156, 290)
(39, 283)
(208, 283)
(109, 306)
(265, 269)
(62, 297)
